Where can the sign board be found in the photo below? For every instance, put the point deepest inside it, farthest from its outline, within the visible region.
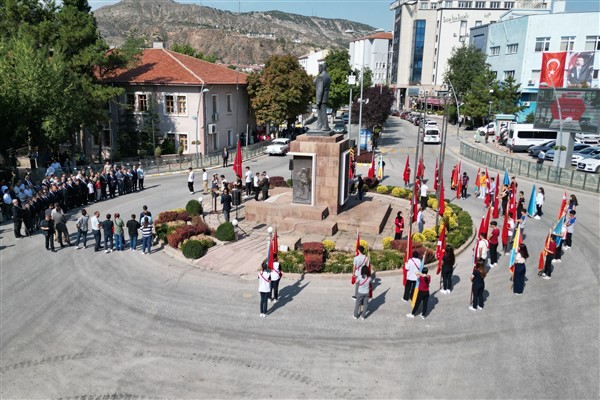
(579, 108)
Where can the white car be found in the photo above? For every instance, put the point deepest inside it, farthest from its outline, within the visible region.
(278, 146)
(578, 157)
(432, 135)
(588, 138)
(429, 122)
(591, 164)
(490, 128)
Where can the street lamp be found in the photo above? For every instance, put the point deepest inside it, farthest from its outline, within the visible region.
(362, 78)
(203, 103)
(351, 83)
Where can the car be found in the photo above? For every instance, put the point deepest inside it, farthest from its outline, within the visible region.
(404, 114)
(429, 122)
(490, 128)
(576, 148)
(535, 150)
(395, 113)
(279, 146)
(340, 127)
(588, 138)
(345, 117)
(585, 153)
(590, 164)
(432, 135)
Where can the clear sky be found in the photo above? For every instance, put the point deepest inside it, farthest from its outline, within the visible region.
(376, 13)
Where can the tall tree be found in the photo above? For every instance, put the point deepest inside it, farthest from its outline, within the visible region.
(507, 99)
(480, 97)
(464, 65)
(338, 67)
(281, 91)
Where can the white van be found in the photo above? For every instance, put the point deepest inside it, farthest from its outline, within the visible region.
(523, 136)
(432, 135)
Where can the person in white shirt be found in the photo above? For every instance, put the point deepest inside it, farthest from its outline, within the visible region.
(248, 181)
(276, 275)
(190, 180)
(482, 247)
(95, 221)
(424, 189)
(412, 267)
(141, 174)
(539, 202)
(492, 190)
(255, 185)
(264, 288)
(204, 181)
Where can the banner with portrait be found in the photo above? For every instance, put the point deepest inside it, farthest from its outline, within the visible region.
(580, 69)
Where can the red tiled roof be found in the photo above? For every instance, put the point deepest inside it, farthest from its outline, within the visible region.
(162, 66)
(378, 35)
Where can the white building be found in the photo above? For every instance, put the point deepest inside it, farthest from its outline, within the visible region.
(515, 45)
(426, 32)
(310, 62)
(372, 52)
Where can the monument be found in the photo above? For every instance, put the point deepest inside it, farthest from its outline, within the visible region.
(322, 84)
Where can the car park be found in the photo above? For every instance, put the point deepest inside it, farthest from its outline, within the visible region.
(576, 148)
(585, 153)
(590, 164)
(535, 150)
(340, 127)
(587, 138)
(432, 135)
(279, 146)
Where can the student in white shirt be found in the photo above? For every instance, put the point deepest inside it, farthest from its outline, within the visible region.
(264, 288)
(276, 275)
(482, 247)
(412, 268)
(204, 181)
(424, 190)
(190, 180)
(248, 181)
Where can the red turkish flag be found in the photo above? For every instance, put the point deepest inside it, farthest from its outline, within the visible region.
(442, 203)
(553, 69)
(435, 175)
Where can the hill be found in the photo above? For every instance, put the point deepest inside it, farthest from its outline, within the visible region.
(252, 36)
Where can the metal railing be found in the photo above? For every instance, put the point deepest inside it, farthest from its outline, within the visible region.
(572, 178)
(169, 163)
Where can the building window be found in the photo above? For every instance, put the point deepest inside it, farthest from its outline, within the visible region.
(480, 4)
(229, 104)
(214, 103)
(169, 104)
(592, 43)
(535, 74)
(465, 4)
(434, 5)
(595, 74)
(142, 102)
(542, 44)
(131, 101)
(181, 105)
(448, 4)
(509, 74)
(478, 23)
(512, 48)
(424, 5)
(567, 43)
(509, 4)
(230, 137)
(419, 44)
(183, 142)
(495, 51)
(494, 4)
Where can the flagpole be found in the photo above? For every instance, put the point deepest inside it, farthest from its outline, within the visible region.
(442, 157)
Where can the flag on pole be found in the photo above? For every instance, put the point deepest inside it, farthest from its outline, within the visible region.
(441, 249)
(515, 249)
(436, 175)
(350, 169)
(477, 181)
(505, 231)
(496, 212)
(542, 260)
(237, 162)
(506, 180)
(512, 206)
(416, 292)
(531, 209)
(270, 256)
(558, 230)
(459, 189)
(415, 200)
(487, 220)
(441, 201)
(563, 204)
(454, 177)
(407, 170)
(371, 172)
(275, 243)
(421, 169)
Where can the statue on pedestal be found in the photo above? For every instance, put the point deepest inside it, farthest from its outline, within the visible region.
(322, 83)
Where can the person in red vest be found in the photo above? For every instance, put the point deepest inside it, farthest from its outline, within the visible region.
(550, 250)
(423, 295)
(399, 226)
(493, 240)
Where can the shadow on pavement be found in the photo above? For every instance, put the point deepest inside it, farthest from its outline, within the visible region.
(288, 293)
(376, 303)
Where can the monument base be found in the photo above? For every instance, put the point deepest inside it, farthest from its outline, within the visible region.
(316, 132)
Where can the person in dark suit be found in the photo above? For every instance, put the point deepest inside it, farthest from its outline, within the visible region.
(580, 73)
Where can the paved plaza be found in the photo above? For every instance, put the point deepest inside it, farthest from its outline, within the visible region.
(80, 324)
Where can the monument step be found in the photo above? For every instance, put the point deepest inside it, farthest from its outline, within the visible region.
(301, 225)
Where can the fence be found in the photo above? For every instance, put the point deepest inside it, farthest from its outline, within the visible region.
(561, 176)
(168, 163)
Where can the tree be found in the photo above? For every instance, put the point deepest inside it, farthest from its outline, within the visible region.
(377, 110)
(464, 65)
(480, 96)
(508, 96)
(190, 51)
(150, 127)
(281, 91)
(129, 136)
(368, 78)
(338, 67)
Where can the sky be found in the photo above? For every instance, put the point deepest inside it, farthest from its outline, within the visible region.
(376, 13)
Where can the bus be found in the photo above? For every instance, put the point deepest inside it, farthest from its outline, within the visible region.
(523, 136)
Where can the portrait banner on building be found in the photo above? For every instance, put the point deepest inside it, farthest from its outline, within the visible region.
(580, 69)
(553, 67)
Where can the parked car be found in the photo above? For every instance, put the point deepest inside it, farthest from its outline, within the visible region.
(588, 138)
(279, 146)
(535, 150)
(590, 164)
(432, 135)
(585, 153)
(340, 127)
(345, 117)
(576, 148)
(429, 122)
(490, 128)
(404, 114)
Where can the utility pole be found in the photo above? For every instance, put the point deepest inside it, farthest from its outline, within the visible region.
(351, 83)
(442, 156)
(362, 78)
(416, 166)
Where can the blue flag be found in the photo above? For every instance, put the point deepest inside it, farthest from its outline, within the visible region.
(506, 180)
(558, 230)
(531, 209)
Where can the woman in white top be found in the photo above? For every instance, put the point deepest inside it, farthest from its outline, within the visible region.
(539, 202)
(264, 287)
(362, 292)
(276, 275)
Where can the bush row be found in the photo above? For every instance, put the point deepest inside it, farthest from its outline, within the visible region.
(170, 216)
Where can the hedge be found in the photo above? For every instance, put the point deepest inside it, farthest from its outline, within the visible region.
(170, 216)
(193, 207)
(225, 232)
(185, 232)
(193, 249)
(314, 256)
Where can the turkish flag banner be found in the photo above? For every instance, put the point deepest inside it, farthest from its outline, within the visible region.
(553, 69)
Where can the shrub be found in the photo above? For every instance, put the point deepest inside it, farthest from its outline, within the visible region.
(225, 232)
(162, 231)
(386, 260)
(291, 261)
(339, 263)
(382, 189)
(313, 248)
(197, 220)
(313, 262)
(185, 232)
(387, 243)
(193, 249)
(170, 216)
(456, 239)
(371, 183)
(430, 235)
(290, 182)
(432, 203)
(277, 181)
(418, 237)
(399, 192)
(364, 244)
(329, 245)
(193, 207)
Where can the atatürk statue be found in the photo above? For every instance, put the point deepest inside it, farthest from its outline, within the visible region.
(322, 84)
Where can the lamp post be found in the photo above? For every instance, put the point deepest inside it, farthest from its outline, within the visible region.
(351, 83)
(203, 104)
(559, 140)
(362, 78)
(442, 155)
(457, 110)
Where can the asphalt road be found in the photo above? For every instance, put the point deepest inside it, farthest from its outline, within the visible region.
(78, 323)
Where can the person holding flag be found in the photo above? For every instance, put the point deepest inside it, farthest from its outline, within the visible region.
(493, 241)
(454, 178)
(560, 232)
(360, 260)
(412, 268)
(520, 270)
(276, 275)
(447, 269)
(549, 249)
(478, 285)
(464, 185)
(423, 295)
(571, 220)
(406, 176)
(264, 287)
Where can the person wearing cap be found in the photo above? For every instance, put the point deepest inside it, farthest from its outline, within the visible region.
(140, 174)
